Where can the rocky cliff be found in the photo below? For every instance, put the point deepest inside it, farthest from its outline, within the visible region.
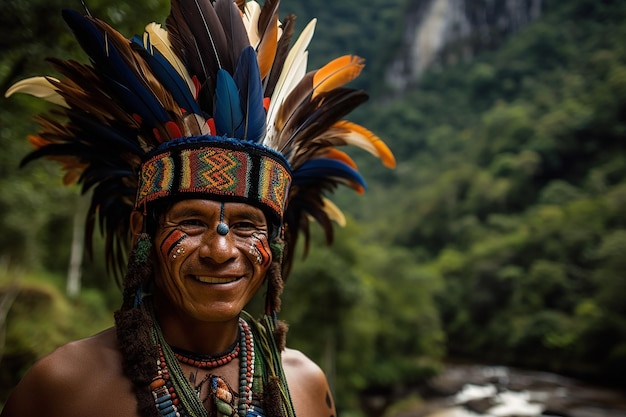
(439, 32)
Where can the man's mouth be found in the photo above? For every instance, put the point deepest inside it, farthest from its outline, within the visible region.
(216, 280)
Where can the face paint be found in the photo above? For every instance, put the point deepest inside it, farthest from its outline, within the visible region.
(168, 245)
(260, 250)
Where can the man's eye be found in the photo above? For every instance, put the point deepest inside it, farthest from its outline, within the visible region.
(244, 225)
(191, 223)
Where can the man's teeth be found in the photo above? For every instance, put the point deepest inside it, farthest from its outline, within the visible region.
(213, 280)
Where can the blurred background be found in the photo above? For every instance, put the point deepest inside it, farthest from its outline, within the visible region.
(487, 271)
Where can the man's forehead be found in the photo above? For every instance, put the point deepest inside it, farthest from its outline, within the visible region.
(201, 206)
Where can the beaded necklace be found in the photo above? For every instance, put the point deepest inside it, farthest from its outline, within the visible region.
(174, 396)
(206, 361)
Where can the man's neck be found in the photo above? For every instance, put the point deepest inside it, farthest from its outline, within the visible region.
(188, 333)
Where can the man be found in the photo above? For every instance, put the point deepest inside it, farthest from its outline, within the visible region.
(208, 147)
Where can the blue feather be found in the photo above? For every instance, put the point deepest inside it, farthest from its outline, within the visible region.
(108, 60)
(168, 76)
(248, 79)
(228, 114)
(317, 170)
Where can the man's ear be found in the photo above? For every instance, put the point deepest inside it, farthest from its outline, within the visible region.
(136, 225)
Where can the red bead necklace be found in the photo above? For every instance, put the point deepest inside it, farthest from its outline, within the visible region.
(206, 361)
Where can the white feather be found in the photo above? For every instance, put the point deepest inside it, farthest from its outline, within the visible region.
(39, 87)
(295, 75)
(334, 212)
(293, 71)
(251, 22)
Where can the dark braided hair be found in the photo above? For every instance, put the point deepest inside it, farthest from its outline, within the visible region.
(134, 326)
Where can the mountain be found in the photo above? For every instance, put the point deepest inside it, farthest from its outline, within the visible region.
(442, 32)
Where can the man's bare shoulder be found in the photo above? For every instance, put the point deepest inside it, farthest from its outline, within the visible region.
(298, 363)
(308, 385)
(99, 350)
(81, 359)
(73, 379)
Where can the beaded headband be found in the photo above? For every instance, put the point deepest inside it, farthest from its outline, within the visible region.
(220, 69)
(216, 168)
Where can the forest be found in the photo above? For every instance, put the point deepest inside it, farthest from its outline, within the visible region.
(499, 238)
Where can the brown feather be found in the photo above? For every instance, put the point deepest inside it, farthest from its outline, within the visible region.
(316, 116)
(84, 90)
(234, 29)
(138, 66)
(294, 100)
(198, 38)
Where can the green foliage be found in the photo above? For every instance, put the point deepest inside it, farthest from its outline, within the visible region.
(521, 208)
(42, 318)
(348, 315)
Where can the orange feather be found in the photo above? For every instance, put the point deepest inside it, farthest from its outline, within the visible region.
(268, 32)
(266, 51)
(359, 136)
(336, 73)
(335, 153)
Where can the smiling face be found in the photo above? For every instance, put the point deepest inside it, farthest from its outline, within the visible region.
(206, 275)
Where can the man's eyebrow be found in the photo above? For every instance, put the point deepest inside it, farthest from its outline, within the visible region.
(253, 215)
(186, 212)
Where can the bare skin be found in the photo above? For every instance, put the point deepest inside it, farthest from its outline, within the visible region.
(203, 280)
(84, 378)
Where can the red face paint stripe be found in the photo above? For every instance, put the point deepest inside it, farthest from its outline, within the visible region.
(173, 239)
(265, 254)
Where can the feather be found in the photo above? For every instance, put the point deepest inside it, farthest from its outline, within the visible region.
(156, 37)
(345, 133)
(293, 70)
(318, 170)
(334, 153)
(228, 113)
(295, 54)
(337, 73)
(169, 77)
(201, 37)
(122, 78)
(234, 29)
(282, 49)
(354, 134)
(268, 36)
(40, 87)
(252, 11)
(313, 118)
(331, 76)
(334, 212)
(83, 89)
(248, 79)
(241, 4)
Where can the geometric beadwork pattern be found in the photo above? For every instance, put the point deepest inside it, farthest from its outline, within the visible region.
(274, 184)
(157, 176)
(218, 172)
(214, 169)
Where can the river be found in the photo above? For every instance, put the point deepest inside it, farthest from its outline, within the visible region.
(498, 391)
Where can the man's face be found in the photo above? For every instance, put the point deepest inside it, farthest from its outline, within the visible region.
(204, 274)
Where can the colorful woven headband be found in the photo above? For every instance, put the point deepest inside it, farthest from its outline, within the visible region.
(216, 168)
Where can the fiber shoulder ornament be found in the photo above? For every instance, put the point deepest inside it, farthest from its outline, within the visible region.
(222, 70)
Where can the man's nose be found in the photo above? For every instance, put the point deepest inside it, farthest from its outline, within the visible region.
(218, 247)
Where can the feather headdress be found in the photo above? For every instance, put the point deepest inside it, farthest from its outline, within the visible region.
(222, 79)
